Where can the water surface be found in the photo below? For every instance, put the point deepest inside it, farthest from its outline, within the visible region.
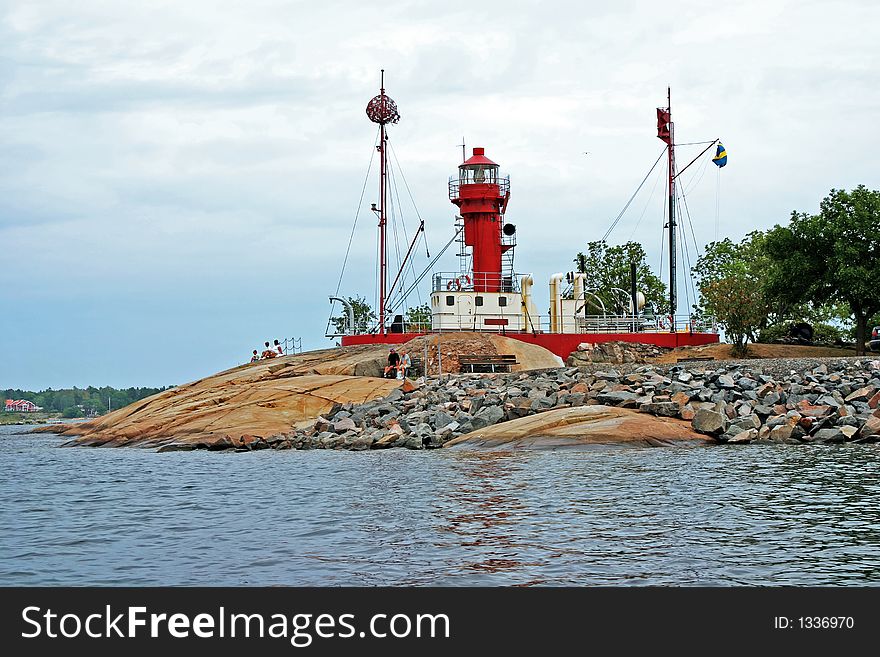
(729, 515)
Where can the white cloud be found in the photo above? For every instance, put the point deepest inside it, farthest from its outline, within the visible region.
(217, 146)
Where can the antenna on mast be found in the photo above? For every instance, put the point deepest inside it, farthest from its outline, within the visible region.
(382, 110)
(666, 133)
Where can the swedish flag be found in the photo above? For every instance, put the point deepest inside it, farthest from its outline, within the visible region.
(720, 158)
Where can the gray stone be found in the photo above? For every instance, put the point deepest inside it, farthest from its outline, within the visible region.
(665, 409)
(487, 416)
(447, 429)
(746, 436)
(772, 398)
(709, 422)
(747, 422)
(394, 395)
(834, 435)
(441, 419)
(543, 404)
(616, 397)
(361, 443)
(476, 404)
(764, 411)
(344, 424)
(726, 381)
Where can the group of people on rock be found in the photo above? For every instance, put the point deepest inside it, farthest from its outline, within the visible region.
(398, 364)
(271, 351)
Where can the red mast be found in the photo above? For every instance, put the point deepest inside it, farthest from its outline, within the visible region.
(666, 132)
(382, 110)
(482, 195)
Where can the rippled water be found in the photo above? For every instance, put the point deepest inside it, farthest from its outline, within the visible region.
(752, 515)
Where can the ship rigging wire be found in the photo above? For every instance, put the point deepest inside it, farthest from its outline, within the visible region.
(430, 264)
(404, 263)
(394, 216)
(688, 288)
(717, 200)
(411, 198)
(357, 214)
(680, 200)
(648, 202)
(631, 198)
(697, 177)
(697, 143)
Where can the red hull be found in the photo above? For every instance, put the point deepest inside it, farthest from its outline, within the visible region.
(561, 344)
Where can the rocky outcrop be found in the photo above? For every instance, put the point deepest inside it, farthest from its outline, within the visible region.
(729, 404)
(615, 352)
(579, 428)
(236, 408)
(252, 406)
(285, 403)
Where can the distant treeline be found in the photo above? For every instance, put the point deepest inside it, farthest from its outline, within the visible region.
(80, 402)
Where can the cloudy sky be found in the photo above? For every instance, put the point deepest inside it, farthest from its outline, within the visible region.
(179, 179)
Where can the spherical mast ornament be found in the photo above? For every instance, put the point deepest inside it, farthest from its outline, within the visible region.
(382, 109)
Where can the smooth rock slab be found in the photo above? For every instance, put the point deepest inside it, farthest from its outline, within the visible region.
(581, 428)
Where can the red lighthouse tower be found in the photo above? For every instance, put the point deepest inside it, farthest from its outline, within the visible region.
(482, 195)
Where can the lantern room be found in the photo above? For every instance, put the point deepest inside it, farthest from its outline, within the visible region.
(478, 169)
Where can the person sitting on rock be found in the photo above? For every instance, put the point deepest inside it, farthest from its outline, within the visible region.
(405, 364)
(268, 352)
(393, 362)
(255, 357)
(278, 348)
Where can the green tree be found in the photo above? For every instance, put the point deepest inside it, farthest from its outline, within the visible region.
(738, 305)
(91, 399)
(364, 317)
(747, 264)
(418, 319)
(832, 257)
(608, 267)
(731, 278)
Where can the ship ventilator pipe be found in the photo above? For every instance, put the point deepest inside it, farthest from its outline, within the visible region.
(349, 312)
(530, 312)
(555, 301)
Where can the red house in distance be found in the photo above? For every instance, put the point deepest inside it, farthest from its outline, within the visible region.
(21, 406)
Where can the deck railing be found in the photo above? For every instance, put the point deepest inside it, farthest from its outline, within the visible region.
(589, 324)
(464, 282)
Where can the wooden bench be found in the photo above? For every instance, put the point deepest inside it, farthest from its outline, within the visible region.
(487, 363)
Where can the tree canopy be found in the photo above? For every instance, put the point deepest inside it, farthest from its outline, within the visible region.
(608, 267)
(418, 318)
(832, 257)
(78, 402)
